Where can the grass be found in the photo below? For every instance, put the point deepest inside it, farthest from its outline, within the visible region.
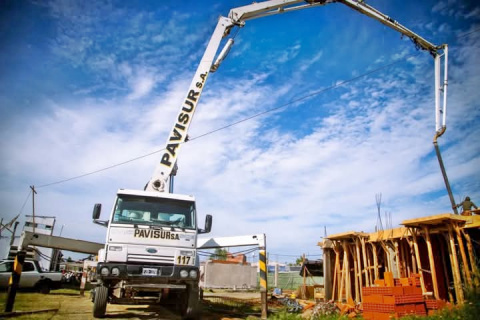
(68, 301)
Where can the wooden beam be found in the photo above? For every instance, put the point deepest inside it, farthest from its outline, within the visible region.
(431, 258)
(457, 280)
(342, 279)
(360, 271)
(471, 254)
(375, 261)
(466, 267)
(403, 254)
(419, 261)
(445, 271)
(336, 270)
(399, 263)
(365, 263)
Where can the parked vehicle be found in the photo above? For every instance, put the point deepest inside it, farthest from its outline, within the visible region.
(32, 277)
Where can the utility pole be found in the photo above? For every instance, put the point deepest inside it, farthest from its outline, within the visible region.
(33, 205)
(13, 233)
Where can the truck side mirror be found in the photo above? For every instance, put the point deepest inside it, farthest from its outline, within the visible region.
(208, 224)
(97, 209)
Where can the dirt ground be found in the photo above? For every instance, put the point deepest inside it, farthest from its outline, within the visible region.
(71, 305)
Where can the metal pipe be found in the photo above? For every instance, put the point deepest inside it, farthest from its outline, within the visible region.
(442, 168)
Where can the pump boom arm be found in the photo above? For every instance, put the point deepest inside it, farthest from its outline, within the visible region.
(237, 16)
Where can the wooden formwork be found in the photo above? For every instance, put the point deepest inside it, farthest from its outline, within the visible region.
(443, 249)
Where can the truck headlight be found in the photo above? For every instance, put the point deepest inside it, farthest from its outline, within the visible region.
(183, 273)
(115, 248)
(104, 271)
(193, 274)
(115, 271)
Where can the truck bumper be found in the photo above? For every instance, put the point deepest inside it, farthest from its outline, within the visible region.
(149, 276)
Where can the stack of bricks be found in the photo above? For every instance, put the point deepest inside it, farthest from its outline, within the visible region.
(434, 305)
(393, 298)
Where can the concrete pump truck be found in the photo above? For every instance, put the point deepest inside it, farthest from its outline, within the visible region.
(150, 251)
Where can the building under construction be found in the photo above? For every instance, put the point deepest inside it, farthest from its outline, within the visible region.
(440, 252)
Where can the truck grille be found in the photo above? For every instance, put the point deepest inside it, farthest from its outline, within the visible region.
(146, 258)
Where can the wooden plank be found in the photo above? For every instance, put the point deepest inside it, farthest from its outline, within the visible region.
(431, 259)
(399, 262)
(360, 273)
(445, 271)
(375, 261)
(455, 268)
(433, 220)
(466, 267)
(365, 263)
(412, 255)
(472, 256)
(419, 261)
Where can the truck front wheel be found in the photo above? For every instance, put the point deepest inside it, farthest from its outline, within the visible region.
(189, 303)
(100, 302)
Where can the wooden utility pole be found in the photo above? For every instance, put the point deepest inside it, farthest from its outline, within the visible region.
(33, 205)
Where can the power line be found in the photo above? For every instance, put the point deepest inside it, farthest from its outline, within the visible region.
(284, 105)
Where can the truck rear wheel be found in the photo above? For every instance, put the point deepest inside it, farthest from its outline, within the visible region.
(100, 302)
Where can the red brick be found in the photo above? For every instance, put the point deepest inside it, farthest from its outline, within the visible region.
(388, 276)
(374, 298)
(380, 283)
(389, 299)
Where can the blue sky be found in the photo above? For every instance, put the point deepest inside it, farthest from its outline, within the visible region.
(88, 85)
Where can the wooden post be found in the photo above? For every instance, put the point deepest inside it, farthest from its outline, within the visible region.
(336, 271)
(419, 262)
(304, 286)
(346, 263)
(457, 280)
(342, 279)
(472, 256)
(405, 268)
(466, 267)
(34, 192)
(432, 262)
(412, 254)
(355, 276)
(375, 261)
(360, 270)
(399, 262)
(365, 263)
(445, 272)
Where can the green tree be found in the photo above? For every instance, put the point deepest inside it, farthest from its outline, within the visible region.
(219, 254)
(299, 261)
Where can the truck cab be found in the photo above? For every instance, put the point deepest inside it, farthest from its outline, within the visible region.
(150, 251)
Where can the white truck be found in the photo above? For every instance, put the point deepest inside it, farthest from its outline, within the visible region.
(150, 249)
(32, 276)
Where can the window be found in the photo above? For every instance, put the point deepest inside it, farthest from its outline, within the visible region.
(6, 267)
(154, 211)
(28, 266)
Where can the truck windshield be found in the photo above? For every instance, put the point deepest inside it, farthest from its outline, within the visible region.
(154, 211)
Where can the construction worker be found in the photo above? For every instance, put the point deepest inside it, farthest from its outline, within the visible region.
(467, 205)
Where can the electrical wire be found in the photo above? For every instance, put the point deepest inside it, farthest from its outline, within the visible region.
(284, 105)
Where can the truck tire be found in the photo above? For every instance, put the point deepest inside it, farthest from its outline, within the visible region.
(43, 287)
(100, 302)
(190, 304)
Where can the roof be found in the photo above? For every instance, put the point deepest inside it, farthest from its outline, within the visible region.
(438, 219)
